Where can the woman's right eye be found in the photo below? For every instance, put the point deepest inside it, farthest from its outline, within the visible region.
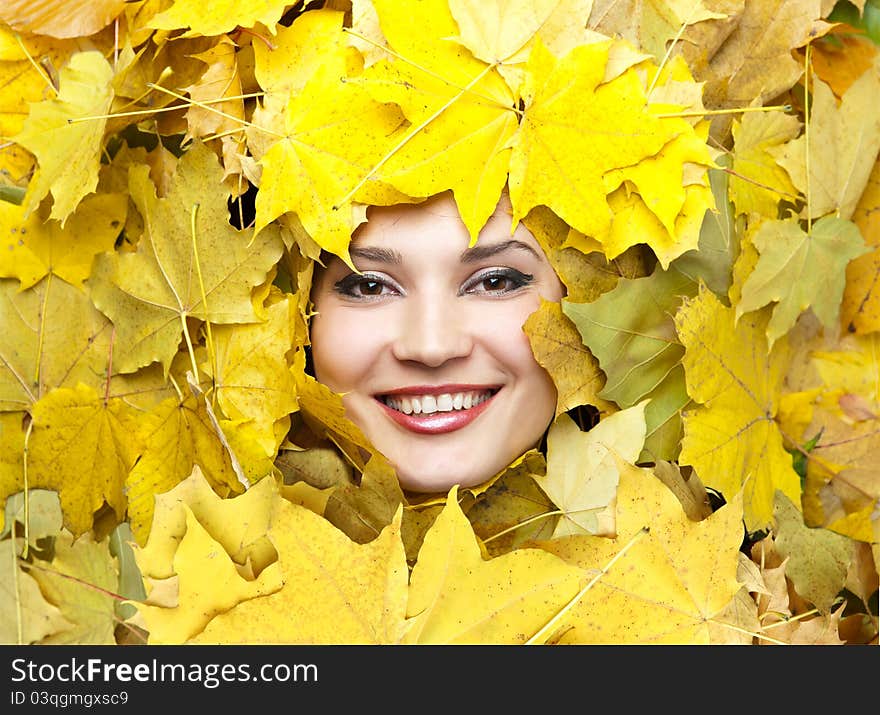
(363, 285)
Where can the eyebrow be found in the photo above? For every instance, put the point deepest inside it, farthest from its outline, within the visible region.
(470, 255)
(374, 253)
(478, 253)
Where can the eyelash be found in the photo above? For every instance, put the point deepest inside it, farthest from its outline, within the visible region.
(353, 282)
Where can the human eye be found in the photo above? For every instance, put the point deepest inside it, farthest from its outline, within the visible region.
(496, 281)
(365, 286)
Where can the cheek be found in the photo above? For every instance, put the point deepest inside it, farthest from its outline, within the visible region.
(509, 343)
(344, 346)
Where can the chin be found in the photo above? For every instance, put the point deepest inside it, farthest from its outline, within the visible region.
(423, 483)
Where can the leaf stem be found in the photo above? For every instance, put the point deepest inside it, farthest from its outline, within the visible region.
(537, 637)
(717, 112)
(189, 345)
(207, 107)
(807, 122)
(27, 501)
(523, 523)
(157, 110)
(35, 65)
(210, 339)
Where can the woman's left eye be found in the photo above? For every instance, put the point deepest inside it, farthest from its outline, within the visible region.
(497, 282)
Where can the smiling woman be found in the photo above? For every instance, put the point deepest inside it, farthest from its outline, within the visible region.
(426, 341)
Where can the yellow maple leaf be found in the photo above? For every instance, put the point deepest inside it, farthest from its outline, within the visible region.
(458, 597)
(559, 349)
(76, 431)
(324, 413)
(662, 579)
(208, 583)
(176, 435)
(730, 436)
(561, 162)
(69, 153)
(759, 182)
(334, 133)
(220, 17)
(54, 337)
(514, 510)
(649, 24)
(251, 375)
(190, 262)
(333, 589)
(583, 472)
(36, 246)
(459, 107)
(495, 31)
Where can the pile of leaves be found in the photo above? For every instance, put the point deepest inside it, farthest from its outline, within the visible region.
(702, 174)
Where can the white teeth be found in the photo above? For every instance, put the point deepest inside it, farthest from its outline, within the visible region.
(429, 404)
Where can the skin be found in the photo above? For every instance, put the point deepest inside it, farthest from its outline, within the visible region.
(427, 313)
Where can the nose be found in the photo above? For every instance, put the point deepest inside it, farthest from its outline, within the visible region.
(432, 331)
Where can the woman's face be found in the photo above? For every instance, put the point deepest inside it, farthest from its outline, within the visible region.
(427, 345)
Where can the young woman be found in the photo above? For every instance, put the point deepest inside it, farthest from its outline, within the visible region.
(426, 345)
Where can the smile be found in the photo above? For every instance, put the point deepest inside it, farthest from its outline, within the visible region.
(438, 412)
(445, 402)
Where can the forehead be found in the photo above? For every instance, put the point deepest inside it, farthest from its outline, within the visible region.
(435, 221)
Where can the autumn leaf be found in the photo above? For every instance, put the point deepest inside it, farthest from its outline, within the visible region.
(730, 437)
(559, 349)
(860, 306)
(662, 579)
(818, 559)
(26, 615)
(68, 153)
(514, 509)
(190, 262)
(252, 379)
(844, 140)
(460, 109)
(630, 330)
(321, 582)
(333, 134)
(76, 431)
(457, 596)
(555, 163)
(755, 59)
(36, 246)
(82, 581)
(208, 581)
(582, 469)
(758, 182)
(649, 24)
(176, 435)
(219, 17)
(54, 338)
(784, 274)
(69, 18)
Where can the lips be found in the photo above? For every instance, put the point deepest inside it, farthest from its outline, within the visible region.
(436, 410)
